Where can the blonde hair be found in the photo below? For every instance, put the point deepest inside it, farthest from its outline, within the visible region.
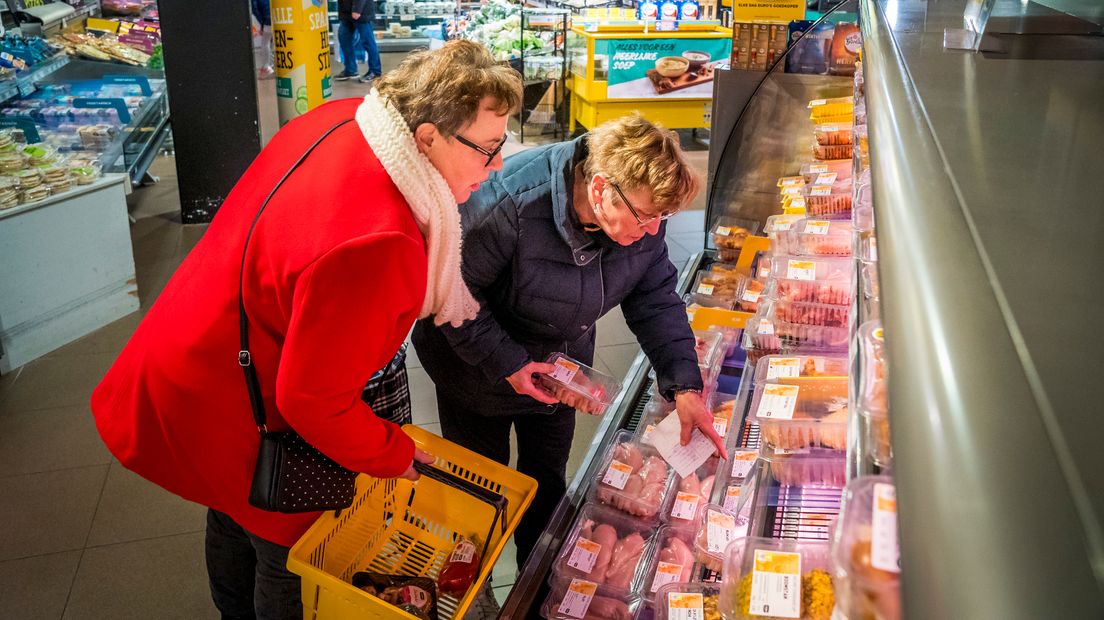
(445, 86)
(636, 153)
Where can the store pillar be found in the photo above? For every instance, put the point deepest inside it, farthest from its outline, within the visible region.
(212, 97)
(301, 34)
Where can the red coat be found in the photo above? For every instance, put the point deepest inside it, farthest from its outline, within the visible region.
(335, 278)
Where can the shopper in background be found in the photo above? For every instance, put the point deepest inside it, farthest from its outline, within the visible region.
(356, 17)
(355, 244)
(563, 234)
(262, 12)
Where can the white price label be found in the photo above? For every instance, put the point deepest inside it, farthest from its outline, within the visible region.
(732, 498)
(820, 190)
(565, 370)
(584, 555)
(801, 270)
(723, 231)
(817, 227)
(742, 462)
(781, 224)
(817, 102)
(576, 601)
(874, 250)
(685, 507)
(818, 168)
(885, 553)
(685, 606)
(464, 552)
(778, 402)
(751, 296)
(776, 584)
(647, 436)
(617, 475)
(787, 181)
(705, 289)
(720, 424)
(791, 190)
(721, 530)
(783, 367)
(825, 178)
(666, 573)
(796, 206)
(765, 328)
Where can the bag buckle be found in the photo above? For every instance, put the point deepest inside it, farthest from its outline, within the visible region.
(244, 359)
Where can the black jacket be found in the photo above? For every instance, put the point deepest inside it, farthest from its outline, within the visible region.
(346, 8)
(543, 282)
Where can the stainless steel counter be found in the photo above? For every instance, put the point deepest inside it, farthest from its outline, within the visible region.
(987, 173)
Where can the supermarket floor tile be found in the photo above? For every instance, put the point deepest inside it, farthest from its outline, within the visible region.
(585, 428)
(619, 357)
(132, 508)
(423, 397)
(108, 340)
(36, 588)
(55, 381)
(613, 330)
(48, 440)
(48, 512)
(164, 578)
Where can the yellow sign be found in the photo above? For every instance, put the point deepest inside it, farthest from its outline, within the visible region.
(301, 36)
(767, 10)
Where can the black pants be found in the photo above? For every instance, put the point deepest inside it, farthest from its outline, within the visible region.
(544, 443)
(248, 574)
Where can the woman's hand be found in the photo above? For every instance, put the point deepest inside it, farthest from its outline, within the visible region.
(692, 413)
(420, 456)
(522, 382)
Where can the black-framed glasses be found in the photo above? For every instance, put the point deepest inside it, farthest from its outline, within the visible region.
(666, 215)
(475, 147)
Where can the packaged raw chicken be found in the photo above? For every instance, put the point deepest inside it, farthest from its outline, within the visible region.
(778, 366)
(873, 404)
(729, 235)
(770, 578)
(833, 134)
(654, 411)
(716, 530)
(734, 473)
(730, 340)
(724, 418)
(688, 601)
(812, 237)
(750, 294)
(606, 547)
(709, 346)
(842, 168)
(802, 412)
(715, 290)
(761, 266)
(776, 229)
(771, 332)
(580, 386)
(672, 561)
(866, 552)
(633, 478)
(807, 466)
(579, 599)
(692, 493)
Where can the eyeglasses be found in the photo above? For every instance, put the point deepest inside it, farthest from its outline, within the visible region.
(666, 215)
(475, 147)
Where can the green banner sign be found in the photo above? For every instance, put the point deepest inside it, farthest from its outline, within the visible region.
(664, 68)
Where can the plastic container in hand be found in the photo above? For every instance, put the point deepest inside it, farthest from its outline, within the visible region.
(833, 134)
(579, 599)
(580, 386)
(866, 552)
(782, 366)
(729, 235)
(724, 419)
(716, 530)
(634, 478)
(802, 412)
(672, 561)
(807, 466)
(607, 547)
(684, 601)
(812, 237)
(691, 494)
(773, 579)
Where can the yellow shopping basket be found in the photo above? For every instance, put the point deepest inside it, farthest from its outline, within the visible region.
(408, 528)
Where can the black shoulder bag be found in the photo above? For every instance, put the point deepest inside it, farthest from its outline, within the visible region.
(291, 475)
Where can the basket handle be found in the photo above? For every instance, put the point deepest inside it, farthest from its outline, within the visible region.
(496, 500)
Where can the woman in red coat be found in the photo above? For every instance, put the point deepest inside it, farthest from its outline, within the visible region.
(359, 241)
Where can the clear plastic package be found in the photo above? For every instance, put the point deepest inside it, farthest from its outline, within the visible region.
(833, 134)
(769, 578)
(812, 237)
(802, 412)
(9, 193)
(750, 295)
(780, 366)
(828, 203)
(730, 339)
(606, 547)
(729, 235)
(716, 530)
(691, 494)
(672, 561)
(634, 478)
(822, 152)
(29, 178)
(836, 292)
(579, 385)
(579, 599)
(878, 439)
(12, 161)
(654, 411)
(842, 168)
(809, 268)
(716, 289)
(771, 332)
(807, 466)
(710, 349)
(729, 488)
(780, 510)
(688, 601)
(871, 339)
(724, 418)
(826, 110)
(871, 286)
(826, 315)
(777, 227)
(866, 552)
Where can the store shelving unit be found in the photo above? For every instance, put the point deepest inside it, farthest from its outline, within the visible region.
(537, 87)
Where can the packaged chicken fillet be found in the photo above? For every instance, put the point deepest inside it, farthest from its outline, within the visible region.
(716, 530)
(580, 386)
(606, 547)
(807, 466)
(672, 561)
(634, 478)
(691, 494)
(782, 366)
(579, 599)
(802, 412)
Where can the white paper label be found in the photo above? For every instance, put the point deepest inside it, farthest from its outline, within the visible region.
(765, 328)
(791, 190)
(584, 555)
(751, 296)
(732, 498)
(617, 475)
(723, 231)
(685, 459)
(647, 436)
(685, 606)
(818, 168)
(825, 178)
(705, 289)
(787, 181)
(783, 367)
(721, 531)
(577, 600)
(742, 462)
(666, 573)
(781, 225)
(817, 102)
(820, 190)
(686, 506)
(801, 270)
(565, 370)
(776, 584)
(885, 553)
(464, 553)
(816, 227)
(778, 402)
(797, 204)
(874, 250)
(720, 424)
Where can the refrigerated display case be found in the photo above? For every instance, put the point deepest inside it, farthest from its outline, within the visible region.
(987, 383)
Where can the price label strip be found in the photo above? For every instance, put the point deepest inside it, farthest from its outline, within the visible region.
(776, 584)
(817, 227)
(732, 498)
(885, 552)
(825, 178)
(617, 475)
(720, 424)
(801, 270)
(685, 606)
(577, 600)
(778, 402)
(705, 289)
(584, 555)
(783, 367)
(666, 573)
(685, 507)
(565, 370)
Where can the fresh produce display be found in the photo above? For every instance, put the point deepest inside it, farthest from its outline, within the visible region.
(580, 386)
(460, 569)
(605, 547)
(497, 25)
(634, 479)
(865, 550)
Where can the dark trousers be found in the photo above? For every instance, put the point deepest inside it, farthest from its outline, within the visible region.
(361, 28)
(544, 443)
(248, 575)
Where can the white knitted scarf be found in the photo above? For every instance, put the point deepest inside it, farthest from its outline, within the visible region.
(432, 203)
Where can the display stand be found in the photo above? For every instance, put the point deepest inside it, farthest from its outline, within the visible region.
(540, 83)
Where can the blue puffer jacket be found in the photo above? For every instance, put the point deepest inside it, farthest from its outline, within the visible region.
(543, 282)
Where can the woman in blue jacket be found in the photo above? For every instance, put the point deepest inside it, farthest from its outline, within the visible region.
(557, 238)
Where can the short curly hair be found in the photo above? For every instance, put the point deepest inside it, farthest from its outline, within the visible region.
(445, 86)
(635, 153)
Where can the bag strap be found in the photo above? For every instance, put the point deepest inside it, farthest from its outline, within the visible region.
(245, 358)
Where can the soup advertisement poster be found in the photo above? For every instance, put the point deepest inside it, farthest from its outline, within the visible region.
(664, 68)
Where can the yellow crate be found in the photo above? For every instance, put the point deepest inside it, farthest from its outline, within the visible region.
(408, 528)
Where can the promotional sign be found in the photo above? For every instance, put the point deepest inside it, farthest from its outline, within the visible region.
(300, 33)
(664, 68)
(767, 10)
